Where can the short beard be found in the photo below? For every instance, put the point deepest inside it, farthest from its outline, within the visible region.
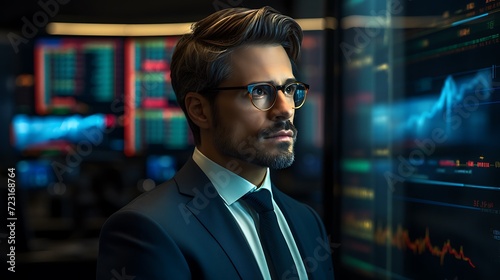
(251, 151)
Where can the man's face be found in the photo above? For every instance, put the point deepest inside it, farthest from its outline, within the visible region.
(263, 138)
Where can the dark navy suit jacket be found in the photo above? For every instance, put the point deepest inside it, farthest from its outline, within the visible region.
(182, 230)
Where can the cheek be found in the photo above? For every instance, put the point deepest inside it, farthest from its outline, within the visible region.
(239, 118)
(243, 123)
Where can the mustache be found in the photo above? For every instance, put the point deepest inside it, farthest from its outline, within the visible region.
(277, 127)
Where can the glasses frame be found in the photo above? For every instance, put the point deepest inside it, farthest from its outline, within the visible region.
(276, 88)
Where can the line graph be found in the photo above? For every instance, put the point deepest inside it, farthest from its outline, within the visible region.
(401, 240)
(445, 129)
(454, 92)
(459, 104)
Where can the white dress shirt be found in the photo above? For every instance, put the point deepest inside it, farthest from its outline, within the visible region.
(231, 188)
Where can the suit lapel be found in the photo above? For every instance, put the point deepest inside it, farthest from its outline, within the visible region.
(212, 213)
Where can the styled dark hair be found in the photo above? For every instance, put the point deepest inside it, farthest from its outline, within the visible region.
(201, 59)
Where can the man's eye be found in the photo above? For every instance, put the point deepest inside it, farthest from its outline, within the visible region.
(290, 89)
(259, 92)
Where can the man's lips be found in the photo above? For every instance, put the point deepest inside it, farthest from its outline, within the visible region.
(280, 134)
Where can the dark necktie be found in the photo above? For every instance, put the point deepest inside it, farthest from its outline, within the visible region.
(278, 256)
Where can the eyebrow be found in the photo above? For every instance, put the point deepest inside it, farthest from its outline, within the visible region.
(289, 80)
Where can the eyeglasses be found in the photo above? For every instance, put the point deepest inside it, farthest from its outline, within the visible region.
(263, 95)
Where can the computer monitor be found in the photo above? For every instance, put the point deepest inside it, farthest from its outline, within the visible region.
(81, 75)
(154, 123)
(77, 98)
(419, 162)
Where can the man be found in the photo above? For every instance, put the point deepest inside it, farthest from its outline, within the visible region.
(233, 77)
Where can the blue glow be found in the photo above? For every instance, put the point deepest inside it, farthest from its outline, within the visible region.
(34, 174)
(160, 168)
(426, 201)
(448, 184)
(449, 110)
(450, 94)
(32, 131)
(468, 19)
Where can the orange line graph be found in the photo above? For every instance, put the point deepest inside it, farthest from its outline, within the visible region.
(401, 240)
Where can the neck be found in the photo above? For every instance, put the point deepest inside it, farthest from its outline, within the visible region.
(255, 174)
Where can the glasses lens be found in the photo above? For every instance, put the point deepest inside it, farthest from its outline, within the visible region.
(262, 95)
(298, 91)
(300, 95)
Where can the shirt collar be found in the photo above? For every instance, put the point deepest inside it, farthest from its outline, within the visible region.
(228, 184)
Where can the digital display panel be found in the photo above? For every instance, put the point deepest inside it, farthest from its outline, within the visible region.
(155, 122)
(77, 75)
(420, 162)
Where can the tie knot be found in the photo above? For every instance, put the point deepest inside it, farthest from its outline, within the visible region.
(260, 201)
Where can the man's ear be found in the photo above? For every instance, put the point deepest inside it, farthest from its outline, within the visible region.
(198, 109)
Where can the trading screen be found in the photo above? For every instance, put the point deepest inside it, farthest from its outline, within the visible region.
(78, 88)
(421, 157)
(93, 125)
(155, 122)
